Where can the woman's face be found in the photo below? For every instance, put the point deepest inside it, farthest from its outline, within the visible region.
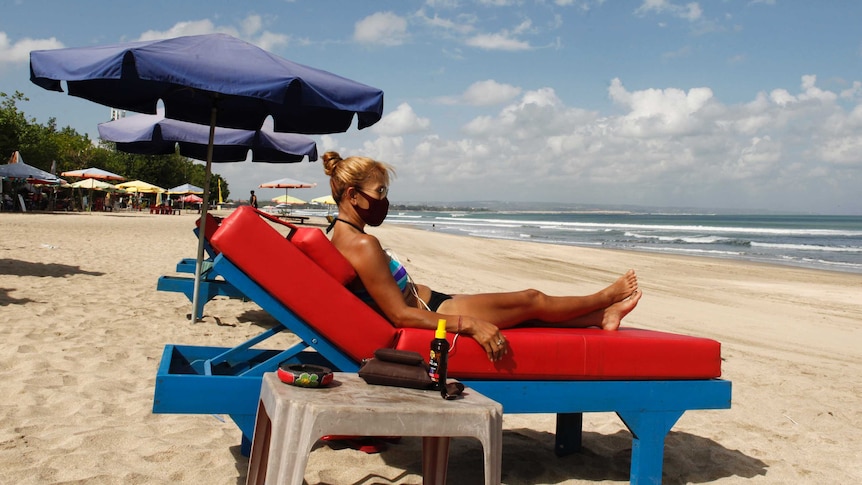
(375, 207)
(375, 187)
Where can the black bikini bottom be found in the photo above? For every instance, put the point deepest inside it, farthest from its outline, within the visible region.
(436, 299)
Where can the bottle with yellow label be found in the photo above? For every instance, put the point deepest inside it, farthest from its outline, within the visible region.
(438, 359)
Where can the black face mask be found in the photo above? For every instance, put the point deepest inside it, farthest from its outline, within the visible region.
(376, 211)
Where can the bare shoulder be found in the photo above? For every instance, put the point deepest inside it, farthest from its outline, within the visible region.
(359, 248)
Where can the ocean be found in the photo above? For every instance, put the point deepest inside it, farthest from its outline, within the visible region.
(832, 243)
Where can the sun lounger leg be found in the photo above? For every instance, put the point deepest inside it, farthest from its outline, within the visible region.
(568, 436)
(648, 432)
(245, 422)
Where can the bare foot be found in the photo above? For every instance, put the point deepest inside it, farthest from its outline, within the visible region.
(624, 287)
(615, 313)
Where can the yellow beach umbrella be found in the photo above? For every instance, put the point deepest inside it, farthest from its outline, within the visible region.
(326, 199)
(287, 199)
(141, 187)
(93, 184)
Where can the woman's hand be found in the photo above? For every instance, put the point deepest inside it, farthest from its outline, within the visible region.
(488, 336)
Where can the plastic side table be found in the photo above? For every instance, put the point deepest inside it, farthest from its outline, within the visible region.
(291, 419)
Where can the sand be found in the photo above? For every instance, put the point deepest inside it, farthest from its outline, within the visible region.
(83, 327)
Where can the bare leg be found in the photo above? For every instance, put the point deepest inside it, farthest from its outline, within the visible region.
(622, 288)
(509, 309)
(611, 317)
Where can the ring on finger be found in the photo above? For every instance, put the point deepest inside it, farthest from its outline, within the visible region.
(500, 341)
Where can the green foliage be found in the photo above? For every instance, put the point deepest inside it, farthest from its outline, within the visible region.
(39, 145)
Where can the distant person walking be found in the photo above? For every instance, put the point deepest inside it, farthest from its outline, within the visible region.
(253, 200)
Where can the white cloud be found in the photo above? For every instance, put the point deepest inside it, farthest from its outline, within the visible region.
(381, 28)
(195, 27)
(489, 92)
(666, 146)
(442, 161)
(843, 150)
(811, 91)
(251, 24)
(659, 111)
(757, 158)
(502, 41)
(537, 113)
(497, 3)
(388, 149)
(442, 3)
(782, 97)
(690, 11)
(250, 30)
(463, 26)
(505, 40)
(402, 121)
(19, 52)
(854, 91)
(524, 26)
(270, 40)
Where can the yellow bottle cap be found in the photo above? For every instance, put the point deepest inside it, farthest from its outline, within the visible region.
(441, 329)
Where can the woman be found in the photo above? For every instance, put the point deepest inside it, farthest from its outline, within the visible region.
(360, 187)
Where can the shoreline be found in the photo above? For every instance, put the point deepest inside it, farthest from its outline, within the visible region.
(85, 327)
(832, 244)
(669, 254)
(317, 221)
(320, 221)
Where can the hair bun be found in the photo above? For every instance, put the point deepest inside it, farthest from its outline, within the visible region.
(330, 160)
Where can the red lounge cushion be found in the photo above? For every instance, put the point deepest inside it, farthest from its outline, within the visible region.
(314, 243)
(580, 354)
(212, 225)
(276, 264)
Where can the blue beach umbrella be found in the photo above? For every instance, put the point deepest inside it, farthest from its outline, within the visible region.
(29, 173)
(213, 79)
(17, 169)
(186, 190)
(194, 75)
(157, 135)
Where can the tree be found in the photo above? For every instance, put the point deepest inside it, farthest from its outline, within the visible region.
(13, 123)
(41, 145)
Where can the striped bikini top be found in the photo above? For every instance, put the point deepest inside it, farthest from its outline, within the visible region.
(399, 273)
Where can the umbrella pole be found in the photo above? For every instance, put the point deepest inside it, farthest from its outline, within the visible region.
(205, 205)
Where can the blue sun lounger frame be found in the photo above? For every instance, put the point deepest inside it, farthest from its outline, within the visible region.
(210, 286)
(219, 380)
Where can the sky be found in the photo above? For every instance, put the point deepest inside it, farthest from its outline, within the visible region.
(752, 105)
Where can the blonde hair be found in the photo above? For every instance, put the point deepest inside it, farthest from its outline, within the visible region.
(352, 172)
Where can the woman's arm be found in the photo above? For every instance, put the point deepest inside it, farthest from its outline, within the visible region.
(372, 266)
